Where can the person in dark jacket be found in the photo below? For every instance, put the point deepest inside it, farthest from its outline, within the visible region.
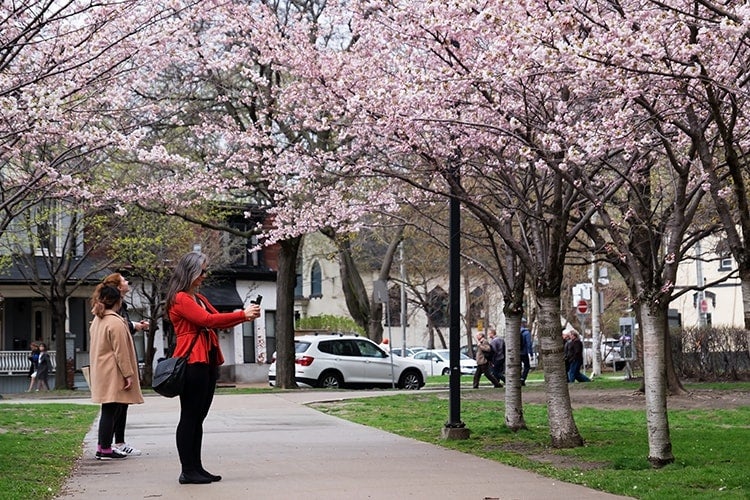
(575, 355)
(498, 354)
(527, 349)
(484, 353)
(44, 366)
(34, 360)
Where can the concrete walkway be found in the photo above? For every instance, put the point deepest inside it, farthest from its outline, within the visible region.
(272, 446)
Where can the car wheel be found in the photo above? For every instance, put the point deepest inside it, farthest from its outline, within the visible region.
(446, 371)
(411, 380)
(331, 380)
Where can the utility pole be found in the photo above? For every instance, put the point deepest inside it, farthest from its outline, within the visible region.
(403, 294)
(596, 334)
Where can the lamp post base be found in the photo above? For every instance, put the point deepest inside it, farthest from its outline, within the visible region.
(455, 433)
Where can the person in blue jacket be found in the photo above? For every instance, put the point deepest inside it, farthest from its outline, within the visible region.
(527, 348)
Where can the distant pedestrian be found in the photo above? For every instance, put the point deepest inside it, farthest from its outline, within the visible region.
(566, 350)
(385, 345)
(498, 354)
(483, 355)
(34, 360)
(44, 366)
(527, 349)
(575, 354)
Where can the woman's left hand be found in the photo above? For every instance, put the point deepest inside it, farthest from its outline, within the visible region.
(128, 383)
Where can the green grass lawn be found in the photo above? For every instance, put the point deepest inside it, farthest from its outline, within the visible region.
(39, 444)
(712, 447)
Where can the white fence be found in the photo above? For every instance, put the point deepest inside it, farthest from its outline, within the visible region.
(17, 362)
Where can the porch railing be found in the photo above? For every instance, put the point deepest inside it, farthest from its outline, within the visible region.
(17, 362)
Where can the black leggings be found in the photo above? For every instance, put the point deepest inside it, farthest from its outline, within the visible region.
(110, 413)
(195, 401)
(120, 423)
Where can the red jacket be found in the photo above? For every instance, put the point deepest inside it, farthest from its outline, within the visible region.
(189, 318)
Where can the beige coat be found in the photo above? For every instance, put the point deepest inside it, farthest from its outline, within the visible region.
(484, 351)
(112, 359)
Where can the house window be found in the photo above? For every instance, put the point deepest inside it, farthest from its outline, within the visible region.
(248, 342)
(316, 281)
(394, 305)
(298, 291)
(238, 248)
(437, 307)
(476, 307)
(270, 335)
(725, 263)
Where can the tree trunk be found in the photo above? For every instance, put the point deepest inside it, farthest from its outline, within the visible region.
(514, 419)
(285, 282)
(655, 382)
(355, 293)
(745, 283)
(562, 426)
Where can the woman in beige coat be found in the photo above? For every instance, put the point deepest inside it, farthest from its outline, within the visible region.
(114, 367)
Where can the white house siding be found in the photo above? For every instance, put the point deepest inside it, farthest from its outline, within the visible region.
(726, 309)
(332, 301)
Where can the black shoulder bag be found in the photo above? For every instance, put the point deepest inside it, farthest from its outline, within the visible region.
(169, 374)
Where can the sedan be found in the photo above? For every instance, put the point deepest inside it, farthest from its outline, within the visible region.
(437, 362)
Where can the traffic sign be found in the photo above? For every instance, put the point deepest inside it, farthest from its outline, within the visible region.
(583, 306)
(704, 306)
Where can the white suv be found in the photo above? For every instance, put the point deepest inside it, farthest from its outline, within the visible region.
(341, 360)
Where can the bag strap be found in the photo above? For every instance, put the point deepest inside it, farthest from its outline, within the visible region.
(195, 339)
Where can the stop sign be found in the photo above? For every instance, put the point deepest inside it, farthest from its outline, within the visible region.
(704, 306)
(583, 306)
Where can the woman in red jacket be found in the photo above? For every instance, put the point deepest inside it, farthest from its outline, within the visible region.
(191, 314)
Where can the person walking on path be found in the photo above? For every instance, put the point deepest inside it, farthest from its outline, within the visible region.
(498, 354)
(575, 353)
(118, 281)
(44, 366)
(527, 349)
(34, 360)
(114, 367)
(192, 315)
(483, 356)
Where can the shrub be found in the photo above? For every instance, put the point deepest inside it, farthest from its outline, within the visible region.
(712, 353)
(330, 323)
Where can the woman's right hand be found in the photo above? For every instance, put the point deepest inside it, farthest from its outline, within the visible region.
(252, 312)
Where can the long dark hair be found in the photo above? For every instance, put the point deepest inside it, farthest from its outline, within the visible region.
(188, 269)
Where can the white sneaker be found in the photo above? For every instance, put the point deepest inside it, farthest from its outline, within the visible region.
(126, 449)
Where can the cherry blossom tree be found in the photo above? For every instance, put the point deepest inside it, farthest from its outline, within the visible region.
(427, 105)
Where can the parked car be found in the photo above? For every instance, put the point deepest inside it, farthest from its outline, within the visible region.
(409, 352)
(610, 349)
(437, 362)
(342, 360)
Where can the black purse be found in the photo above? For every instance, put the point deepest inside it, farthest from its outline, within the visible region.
(169, 374)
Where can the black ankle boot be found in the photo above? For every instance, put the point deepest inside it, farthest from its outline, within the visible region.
(193, 478)
(212, 477)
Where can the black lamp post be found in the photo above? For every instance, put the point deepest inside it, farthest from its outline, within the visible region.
(454, 428)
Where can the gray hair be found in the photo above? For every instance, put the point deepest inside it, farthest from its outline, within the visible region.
(188, 269)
